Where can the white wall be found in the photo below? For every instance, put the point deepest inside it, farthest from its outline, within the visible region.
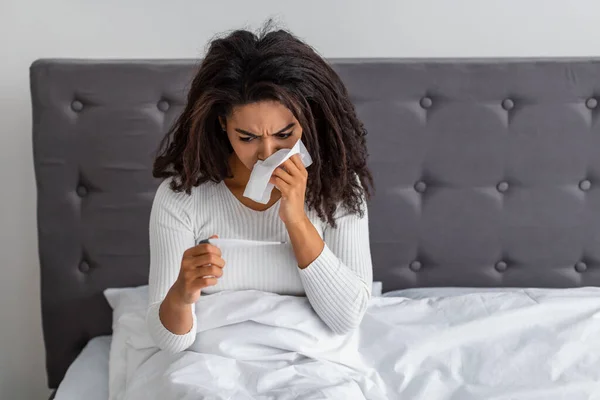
(179, 28)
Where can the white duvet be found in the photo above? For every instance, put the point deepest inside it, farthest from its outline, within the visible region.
(514, 344)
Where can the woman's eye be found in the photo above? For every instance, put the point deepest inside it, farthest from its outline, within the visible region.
(279, 136)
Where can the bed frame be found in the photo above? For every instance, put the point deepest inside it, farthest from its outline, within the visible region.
(487, 175)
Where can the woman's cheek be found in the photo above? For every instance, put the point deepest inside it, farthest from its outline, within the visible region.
(247, 156)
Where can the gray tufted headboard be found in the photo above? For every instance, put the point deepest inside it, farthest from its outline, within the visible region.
(487, 174)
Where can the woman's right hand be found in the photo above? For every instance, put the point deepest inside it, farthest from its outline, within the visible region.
(201, 266)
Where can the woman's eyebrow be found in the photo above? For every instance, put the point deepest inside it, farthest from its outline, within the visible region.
(255, 135)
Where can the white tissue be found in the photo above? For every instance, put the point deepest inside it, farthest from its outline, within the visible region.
(258, 188)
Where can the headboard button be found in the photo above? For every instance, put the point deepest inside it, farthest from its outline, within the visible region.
(502, 186)
(591, 103)
(82, 191)
(415, 266)
(426, 102)
(585, 185)
(163, 105)
(76, 105)
(501, 266)
(508, 104)
(420, 186)
(580, 266)
(84, 267)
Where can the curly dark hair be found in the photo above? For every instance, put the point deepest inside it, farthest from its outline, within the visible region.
(245, 67)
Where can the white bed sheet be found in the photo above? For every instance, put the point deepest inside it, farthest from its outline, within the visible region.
(87, 377)
(499, 344)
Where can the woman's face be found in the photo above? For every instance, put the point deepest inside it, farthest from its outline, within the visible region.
(258, 130)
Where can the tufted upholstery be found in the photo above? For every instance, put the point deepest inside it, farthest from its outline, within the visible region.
(487, 174)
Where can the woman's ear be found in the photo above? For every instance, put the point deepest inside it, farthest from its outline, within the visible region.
(223, 123)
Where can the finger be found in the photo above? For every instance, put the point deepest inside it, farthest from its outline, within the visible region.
(284, 175)
(291, 167)
(204, 259)
(283, 186)
(209, 259)
(297, 160)
(209, 270)
(202, 248)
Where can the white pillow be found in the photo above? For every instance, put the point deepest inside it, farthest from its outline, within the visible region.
(129, 327)
(427, 292)
(376, 289)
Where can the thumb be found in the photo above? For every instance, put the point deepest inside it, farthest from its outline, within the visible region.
(214, 237)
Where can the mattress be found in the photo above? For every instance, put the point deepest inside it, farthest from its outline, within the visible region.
(87, 377)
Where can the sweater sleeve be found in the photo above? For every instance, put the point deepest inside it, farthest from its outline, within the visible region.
(171, 232)
(338, 282)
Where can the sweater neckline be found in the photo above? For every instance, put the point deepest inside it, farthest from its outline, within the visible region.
(241, 205)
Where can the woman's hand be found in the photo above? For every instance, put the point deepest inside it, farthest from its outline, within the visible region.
(290, 178)
(201, 266)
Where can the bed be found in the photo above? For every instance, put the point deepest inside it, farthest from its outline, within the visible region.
(487, 176)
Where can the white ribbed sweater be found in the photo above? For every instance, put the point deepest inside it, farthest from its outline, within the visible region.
(337, 283)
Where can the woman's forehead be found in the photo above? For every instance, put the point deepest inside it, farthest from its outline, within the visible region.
(264, 114)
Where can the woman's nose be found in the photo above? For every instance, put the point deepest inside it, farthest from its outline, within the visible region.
(267, 149)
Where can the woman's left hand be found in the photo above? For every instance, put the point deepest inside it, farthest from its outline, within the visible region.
(291, 182)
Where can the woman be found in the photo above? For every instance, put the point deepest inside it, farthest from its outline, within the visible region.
(253, 95)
